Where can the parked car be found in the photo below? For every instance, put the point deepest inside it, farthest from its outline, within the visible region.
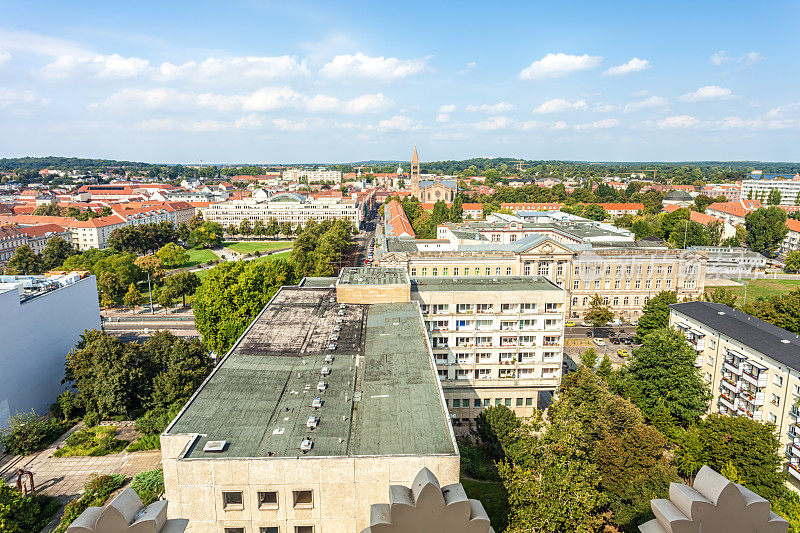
(622, 352)
(570, 324)
(615, 340)
(627, 340)
(599, 342)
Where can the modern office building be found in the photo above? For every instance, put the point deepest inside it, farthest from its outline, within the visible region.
(42, 320)
(285, 207)
(322, 404)
(752, 367)
(761, 188)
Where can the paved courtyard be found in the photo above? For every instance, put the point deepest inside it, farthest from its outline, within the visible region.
(64, 477)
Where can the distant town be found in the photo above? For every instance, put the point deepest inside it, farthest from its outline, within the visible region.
(271, 348)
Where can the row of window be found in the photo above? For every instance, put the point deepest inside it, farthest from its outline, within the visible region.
(587, 270)
(637, 285)
(271, 529)
(467, 308)
(488, 342)
(502, 357)
(502, 373)
(233, 500)
(477, 403)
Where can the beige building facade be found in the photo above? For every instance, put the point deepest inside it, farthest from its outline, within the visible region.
(284, 207)
(751, 366)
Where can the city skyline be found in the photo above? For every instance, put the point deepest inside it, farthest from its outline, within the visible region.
(267, 82)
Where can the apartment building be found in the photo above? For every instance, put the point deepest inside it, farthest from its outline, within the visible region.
(495, 340)
(791, 242)
(313, 176)
(285, 207)
(752, 367)
(38, 236)
(318, 408)
(761, 188)
(11, 238)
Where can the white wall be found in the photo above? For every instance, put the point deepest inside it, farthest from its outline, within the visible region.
(35, 338)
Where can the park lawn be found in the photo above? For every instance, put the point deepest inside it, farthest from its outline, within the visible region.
(250, 247)
(493, 497)
(759, 288)
(280, 255)
(197, 257)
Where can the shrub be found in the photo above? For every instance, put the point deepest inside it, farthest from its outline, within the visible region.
(477, 463)
(96, 492)
(156, 420)
(66, 404)
(28, 433)
(91, 419)
(149, 485)
(145, 442)
(24, 514)
(93, 442)
(257, 253)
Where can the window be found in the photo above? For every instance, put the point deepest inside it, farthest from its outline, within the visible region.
(476, 403)
(608, 270)
(413, 271)
(777, 380)
(519, 402)
(456, 403)
(635, 301)
(638, 284)
(528, 401)
(269, 529)
(708, 377)
(303, 529)
(668, 284)
(647, 284)
(560, 269)
(234, 530)
(424, 271)
(658, 284)
(508, 402)
(669, 269)
(498, 401)
(268, 500)
(435, 271)
(575, 300)
(232, 500)
(618, 270)
(488, 271)
(772, 418)
(710, 360)
(497, 271)
(639, 269)
(303, 499)
(455, 271)
(508, 271)
(616, 284)
(625, 301)
(444, 271)
(628, 270)
(712, 343)
(616, 301)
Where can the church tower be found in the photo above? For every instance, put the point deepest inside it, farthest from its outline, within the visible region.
(415, 174)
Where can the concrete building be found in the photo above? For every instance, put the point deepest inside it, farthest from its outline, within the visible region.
(321, 175)
(496, 341)
(753, 367)
(11, 238)
(42, 320)
(285, 207)
(318, 408)
(760, 189)
(729, 262)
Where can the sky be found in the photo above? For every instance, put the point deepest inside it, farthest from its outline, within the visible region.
(271, 82)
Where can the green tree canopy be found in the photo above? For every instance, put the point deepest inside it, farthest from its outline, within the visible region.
(655, 314)
(766, 229)
(24, 262)
(172, 255)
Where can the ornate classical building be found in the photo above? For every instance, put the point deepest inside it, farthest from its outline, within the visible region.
(430, 190)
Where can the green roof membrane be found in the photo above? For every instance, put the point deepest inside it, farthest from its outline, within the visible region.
(260, 397)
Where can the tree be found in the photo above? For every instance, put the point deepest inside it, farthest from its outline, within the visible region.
(24, 261)
(782, 310)
(244, 227)
(133, 297)
(166, 297)
(663, 370)
(749, 447)
(457, 210)
(233, 294)
(604, 370)
(702, 201)
(498, 429)
(26, 433)
(151, 264)
(721, 295)
(766, 229)
(182, 284)
(172, 255)
(792, 262)
(208, 235)
(589, 358)
(110, 288)
(774, 197)
(655, 314)
(55, 252)
(595, 212)
(598, 314)
(688, 234)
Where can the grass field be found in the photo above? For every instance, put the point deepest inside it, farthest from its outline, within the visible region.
(760, 288)
(261, 247)
(197, 257)
(493, 497)
(285, 255)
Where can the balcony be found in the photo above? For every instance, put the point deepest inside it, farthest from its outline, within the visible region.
(698, 361)
(794, 411)
(730, 385)
(727, 402)
(733, 368)
(759, 380)
(794, 470)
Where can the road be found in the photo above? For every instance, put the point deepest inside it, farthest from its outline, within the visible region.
(364, 241)
(584, 335)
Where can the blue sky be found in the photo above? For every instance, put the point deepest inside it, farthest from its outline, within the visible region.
(259, 81)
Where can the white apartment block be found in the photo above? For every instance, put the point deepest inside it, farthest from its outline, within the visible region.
(751, 366)
(285, 207)
(42, 320)
(760, 189)
(495, 340)
(313, 176)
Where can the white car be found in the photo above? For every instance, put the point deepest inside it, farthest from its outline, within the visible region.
(599, 342)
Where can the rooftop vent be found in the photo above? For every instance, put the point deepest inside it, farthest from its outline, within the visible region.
(337, 327)
(785, 341)
(321, 386)
(278, 431)
(306, 445)
(325, 371)
(316, 403)
(331, 346)
(342, 306)
(215, 446)
(332, 300)
(329, 358)
(312, 422)
(720, 312)
(335, 337)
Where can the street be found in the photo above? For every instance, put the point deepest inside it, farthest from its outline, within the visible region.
(578, 339)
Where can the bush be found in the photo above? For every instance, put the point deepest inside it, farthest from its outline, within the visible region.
(66, 405)
(477, 463)
(149, 485)
(145, 442)
(93, 442)
(28, 433)
(156, 420)
(96, 492)
(91, 419)
(24, 514)
(257, 253)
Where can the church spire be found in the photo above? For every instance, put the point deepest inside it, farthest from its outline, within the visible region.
(415, 157)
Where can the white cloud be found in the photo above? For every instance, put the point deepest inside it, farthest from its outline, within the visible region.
(559, 105)
(493, 123)
(270, 98)
(560, 125)
(367, 67)
(471, 65)
(599, 124)
(14, 97)
(530, 125)
(398, 123)
(4, 57)
(447, 108)
(157, 124)
(634, 64)
(499, 107)
(99, 66)
(718, 58)
(653, 101)
(777, 112)
(678, 121)
(265, 99)
(291, 125)
(639, 94)
(443, 117)
(39, 44)
(366, 103)
(604, 108)
(198, 126)
(556, 65)
(239, 67)
(708, 92)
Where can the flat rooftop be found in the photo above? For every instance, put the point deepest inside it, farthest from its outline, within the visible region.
(312, 282)
(484, 283)
(373, 276)
(382, 396)
(774, 342)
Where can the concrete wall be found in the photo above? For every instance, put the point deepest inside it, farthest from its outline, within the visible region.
(343, 488)
(35, 338)
(372, 294)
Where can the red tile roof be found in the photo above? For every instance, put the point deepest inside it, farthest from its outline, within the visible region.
(621, 207)
(397, 220)
(42, 230)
